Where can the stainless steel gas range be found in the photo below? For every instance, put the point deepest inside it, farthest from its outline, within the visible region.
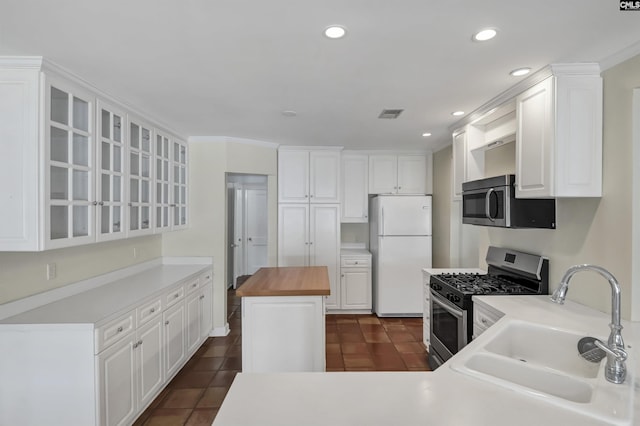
(510, 272)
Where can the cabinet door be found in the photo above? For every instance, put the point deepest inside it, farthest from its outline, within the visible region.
(356, 289)
(459, 167)
(412, 174)
(293, 235)
(534, 139)
(355, 185)
(69, 175)
(194, 311)
(149, 361)
(293, 176)
(324, 177)
(140, 177)
(324, 245)
(179, 185)
(174, 339)
(110, 172)
(206, 311)
(383, 174)
(162, 155)
(117, 372)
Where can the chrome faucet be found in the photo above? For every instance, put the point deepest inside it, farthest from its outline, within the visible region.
(615, 369)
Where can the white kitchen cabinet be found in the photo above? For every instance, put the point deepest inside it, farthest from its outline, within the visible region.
(283, 334)
(110, 183)
(559, 134)
(193, 306)
(309, 235)
(140, 186)
(355, 281)
(355, 188)
(399, 174)
(484, 316)
(109, 349)
(468, 163)
(69, 176)
(426, 314)
(309, 176)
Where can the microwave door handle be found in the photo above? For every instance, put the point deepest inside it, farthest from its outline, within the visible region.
(487, 204)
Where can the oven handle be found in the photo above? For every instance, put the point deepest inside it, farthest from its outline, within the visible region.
(443, 303)
(487, 204)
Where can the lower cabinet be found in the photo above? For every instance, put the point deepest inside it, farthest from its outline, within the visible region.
(104, 373)
(354, 290)
(484, 316)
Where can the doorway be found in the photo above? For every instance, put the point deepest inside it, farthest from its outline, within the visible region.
(247, 222)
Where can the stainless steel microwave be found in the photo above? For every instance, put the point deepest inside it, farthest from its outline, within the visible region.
(492, 202)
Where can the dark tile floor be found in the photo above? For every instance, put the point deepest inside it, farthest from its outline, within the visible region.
(354, 343)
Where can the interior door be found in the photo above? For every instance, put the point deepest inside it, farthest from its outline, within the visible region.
(256, 229)
(238, 235)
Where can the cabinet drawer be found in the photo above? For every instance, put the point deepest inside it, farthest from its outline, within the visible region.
(113, 331)
(483, 317)
(174, 296)
(205, 278)
(149, 310)
(192, 285)
(360, 262)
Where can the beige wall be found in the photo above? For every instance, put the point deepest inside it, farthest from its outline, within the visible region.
(210, 160)
(441, 207)
(24, 274)
(588, 230)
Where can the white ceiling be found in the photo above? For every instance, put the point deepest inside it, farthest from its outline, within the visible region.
(230, 67)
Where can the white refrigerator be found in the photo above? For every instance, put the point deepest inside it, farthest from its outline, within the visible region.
(400, 242)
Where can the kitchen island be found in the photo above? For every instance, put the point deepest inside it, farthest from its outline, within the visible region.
(283, 319)
(443, 397)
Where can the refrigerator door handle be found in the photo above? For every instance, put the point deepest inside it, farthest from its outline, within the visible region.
(382, 220)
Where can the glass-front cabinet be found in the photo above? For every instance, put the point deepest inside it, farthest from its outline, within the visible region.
(110, 212)
(69, 218)
(140, 177)
(179, 184)
(163, 182)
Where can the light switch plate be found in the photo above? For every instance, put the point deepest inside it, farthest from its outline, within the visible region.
(51, 271)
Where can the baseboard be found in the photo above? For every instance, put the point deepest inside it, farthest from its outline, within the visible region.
(220, 331)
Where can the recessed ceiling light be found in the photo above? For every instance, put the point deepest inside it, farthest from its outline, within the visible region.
(457, 113)
(426, 135)
(484, 35)
(520, 72)
(289, 113)
(335, 31)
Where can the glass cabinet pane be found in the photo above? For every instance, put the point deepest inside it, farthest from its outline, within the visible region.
(145, 218)
(146, 140)
(145, 191)
(59, 145)
(106, 124)
(183, 195)
(159, 169)
(133, 218)
(117, 128)
(134, 168)
(105, 220)
(106, 156)
(133, 190)
(117, 192)
(183, 175)
(176, 216)
(106, 188)
(183, 155)
(80, 150)
(80, 114)
(183, 216)
(159, 146)
(59, 189)
(59, 106)
(165, 170)
(176, 193)
(80, 221)
(146, 165)
(117, 158)
(116, 219)
(176, 151)
(165, 148)
(134, 136)
(59, 222)
(80, 185)
(165, 216)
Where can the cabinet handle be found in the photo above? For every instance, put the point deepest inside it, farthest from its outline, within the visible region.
(101, 203)
(306, 196)
(194, 285)
(95, 203)
(152, 310)
(483, 320)
(342, 275)
(119, 329)
(311, 196)
(208, 277)
(172, 205)
(166, 322)
(175, 296)
(311, 243)
(202, 297)
(356, 262)
(306, 244)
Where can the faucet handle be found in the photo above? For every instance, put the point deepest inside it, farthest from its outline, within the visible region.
(619, 353)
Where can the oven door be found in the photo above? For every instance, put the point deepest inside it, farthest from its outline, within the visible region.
(448, 327)
(487, 206)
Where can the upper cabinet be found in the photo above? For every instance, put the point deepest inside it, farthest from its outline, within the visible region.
(77, 168)
(309, 176)
(399, 174)
(559, 135)
(355, 186)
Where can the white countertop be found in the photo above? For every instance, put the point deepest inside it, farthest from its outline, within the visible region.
(415, 398)
(354, 252)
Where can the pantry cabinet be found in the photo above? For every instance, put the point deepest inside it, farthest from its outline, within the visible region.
(355, 281)
(398, 174)
(309, 235)
(77, 165)
(110, 350)
(309, 176)
(355, 188)
(559, 134)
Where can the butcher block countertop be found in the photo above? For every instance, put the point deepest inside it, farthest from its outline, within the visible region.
(287, 281)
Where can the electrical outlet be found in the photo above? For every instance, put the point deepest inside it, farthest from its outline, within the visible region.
(135, 252)
(51, 271)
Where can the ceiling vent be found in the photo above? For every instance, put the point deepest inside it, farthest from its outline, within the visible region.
(390, 113)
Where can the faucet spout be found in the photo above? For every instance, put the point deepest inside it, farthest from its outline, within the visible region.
(615, 370)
